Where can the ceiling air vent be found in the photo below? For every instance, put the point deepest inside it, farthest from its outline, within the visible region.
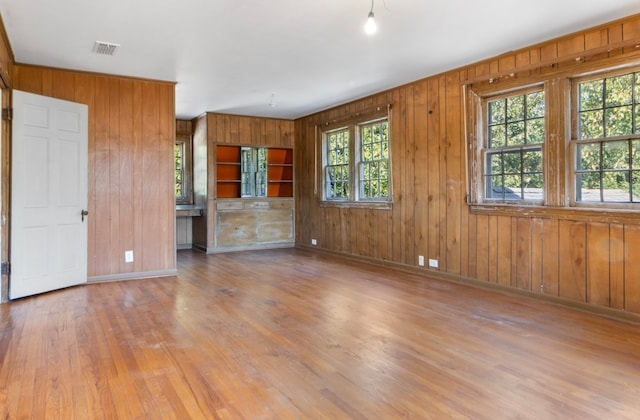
(106, 48)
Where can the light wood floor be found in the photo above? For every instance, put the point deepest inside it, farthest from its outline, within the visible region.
(294, 334)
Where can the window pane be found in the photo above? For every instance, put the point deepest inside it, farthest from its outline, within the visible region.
(591, 95)
(533, 187)
(494, 187)
(179, 169)
(532, 161)
(535, 105)
(588, 186)
(494, 163)
(515, 108)
(512, 187)
(615, 155)
(591, 125)
(374, 160)
(512, 162)
(635, 186)
(635, 144)
(497, 136)
(619, 91)
(615, 187)
(589, 157)
(535, 131)
(619, 121)
(515, 134)
(497, 112)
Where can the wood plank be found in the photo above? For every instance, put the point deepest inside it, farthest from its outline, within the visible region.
(125, 169)
(616, 266)
(492, 245)
(482, 247)
(455, 186)
(101, 254)
(551, 257)
(433, 166)
(537, 245)
(504, 250)
(523, 255)
(419, 128)
(573, 274)
(631, 269)
(598, 270)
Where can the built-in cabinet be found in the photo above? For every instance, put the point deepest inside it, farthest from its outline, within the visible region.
(243, 176)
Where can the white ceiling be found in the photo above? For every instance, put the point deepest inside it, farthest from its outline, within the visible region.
(239, 56)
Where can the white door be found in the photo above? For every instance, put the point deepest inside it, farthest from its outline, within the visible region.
(48, 194)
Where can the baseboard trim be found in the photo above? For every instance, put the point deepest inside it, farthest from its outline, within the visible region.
(619, 315)
(132, 276)
(276, 245)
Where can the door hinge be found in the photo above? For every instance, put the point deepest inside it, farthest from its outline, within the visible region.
(5, 268)
(7, 114)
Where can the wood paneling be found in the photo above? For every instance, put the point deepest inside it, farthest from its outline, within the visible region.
(560, 252)
(131, 194)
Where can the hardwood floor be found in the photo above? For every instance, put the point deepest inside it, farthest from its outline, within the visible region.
(295, 334)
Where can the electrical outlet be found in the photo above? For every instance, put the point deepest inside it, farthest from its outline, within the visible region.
(421, 260)
(433, 263)
(128, 256)
(314, 242)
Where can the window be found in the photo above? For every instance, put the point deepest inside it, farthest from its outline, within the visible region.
(182, 159)
(254, 172)
(338, 171)
(357, 163)
(607, 139)
(374, 161)
(513, 150)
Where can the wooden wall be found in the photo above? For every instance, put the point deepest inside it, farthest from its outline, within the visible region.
(562, 254)
(131, 169)
(211, 129)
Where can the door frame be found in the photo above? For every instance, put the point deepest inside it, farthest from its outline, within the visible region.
(5, 189)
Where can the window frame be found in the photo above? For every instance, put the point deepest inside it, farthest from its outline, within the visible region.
(354, 130)
(486, 149)
(187, 165)
(574, 141)
(477, 120)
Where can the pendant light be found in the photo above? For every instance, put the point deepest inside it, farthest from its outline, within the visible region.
(370, 27)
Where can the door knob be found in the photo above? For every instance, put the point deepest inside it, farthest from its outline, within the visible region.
(84, 213)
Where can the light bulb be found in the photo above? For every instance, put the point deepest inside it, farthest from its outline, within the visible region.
(370, 27)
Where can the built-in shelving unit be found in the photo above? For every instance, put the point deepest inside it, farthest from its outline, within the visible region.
(280, 172)
(228, 171)
(241, 172)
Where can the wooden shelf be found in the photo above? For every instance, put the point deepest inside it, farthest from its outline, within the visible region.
(279, 156)
(280, 189)
(228, 189)
(280, 172)
(228, 154)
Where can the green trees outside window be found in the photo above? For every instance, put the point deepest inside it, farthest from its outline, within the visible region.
(608, 147)
(513, 155)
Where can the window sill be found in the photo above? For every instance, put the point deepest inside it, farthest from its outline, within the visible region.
(372, 205)
(185, 210)
(578, 214)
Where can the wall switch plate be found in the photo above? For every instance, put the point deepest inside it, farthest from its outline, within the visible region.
(314, 242)
(128, 256)
(421, 260)
(433, 263)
